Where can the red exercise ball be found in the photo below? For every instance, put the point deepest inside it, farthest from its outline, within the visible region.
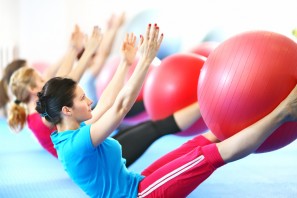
(243, 80)
(205, 48)
(173, 86)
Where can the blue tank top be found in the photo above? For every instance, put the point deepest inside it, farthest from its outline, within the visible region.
(99, 171)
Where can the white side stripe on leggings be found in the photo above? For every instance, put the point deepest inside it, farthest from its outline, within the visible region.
(170, 176)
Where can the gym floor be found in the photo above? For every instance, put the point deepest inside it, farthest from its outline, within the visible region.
(28, 171)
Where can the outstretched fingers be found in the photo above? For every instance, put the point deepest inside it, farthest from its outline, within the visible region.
(95, 39)
(154, 35)
(132, 38)
(96, 32)
(158, 39)
(148, 30)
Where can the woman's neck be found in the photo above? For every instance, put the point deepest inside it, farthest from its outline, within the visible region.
(67, 124)
(31, 106)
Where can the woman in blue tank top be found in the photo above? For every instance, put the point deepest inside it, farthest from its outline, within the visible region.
(94, 161)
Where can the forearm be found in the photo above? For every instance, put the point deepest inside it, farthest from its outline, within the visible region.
(110, 93)
(63, 66)
(77, 73)
(123, 100)
(187, 116)
(104, 51)
(52, 70)
(116, 84)
(113, 26)
(250, 139)
(67, 62)
(90, 48)
(108, 41)
(98, 64)
(131, 90)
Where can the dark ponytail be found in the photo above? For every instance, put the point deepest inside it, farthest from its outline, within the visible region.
(55, 94)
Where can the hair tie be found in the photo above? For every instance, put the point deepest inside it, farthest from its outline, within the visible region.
(44, 114)
(16, 101)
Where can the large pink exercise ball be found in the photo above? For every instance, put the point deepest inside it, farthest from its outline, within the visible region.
(243, 80)
(173, 86)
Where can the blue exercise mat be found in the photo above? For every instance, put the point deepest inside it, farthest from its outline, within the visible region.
(27, 170)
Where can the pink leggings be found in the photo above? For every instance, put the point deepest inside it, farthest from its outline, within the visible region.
(179, 172)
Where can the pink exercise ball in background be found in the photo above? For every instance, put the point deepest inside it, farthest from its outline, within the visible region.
(109, 70)
(40, 66)
(243, 80)
(173, 86)
(106, 74)
(204, 48)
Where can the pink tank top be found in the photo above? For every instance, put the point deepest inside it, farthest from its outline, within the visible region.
(41, 132)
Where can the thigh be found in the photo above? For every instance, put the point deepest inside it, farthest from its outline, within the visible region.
(183, 149)
(177, 178)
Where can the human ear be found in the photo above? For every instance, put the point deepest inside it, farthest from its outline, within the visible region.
(66, 111)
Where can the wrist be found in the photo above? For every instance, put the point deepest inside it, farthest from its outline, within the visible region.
(73, 47)
(145, 62)
(125, 63)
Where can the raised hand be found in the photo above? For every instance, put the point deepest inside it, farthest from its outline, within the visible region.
(78, 39)
(94, 41)
(116, 21)
(129, 48)
(150, 43)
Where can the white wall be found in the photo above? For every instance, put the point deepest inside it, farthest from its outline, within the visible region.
(42, 27)
(9, 21)
(9, 30)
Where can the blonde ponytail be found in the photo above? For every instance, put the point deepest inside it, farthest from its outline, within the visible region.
(17, 117)
(20, 83)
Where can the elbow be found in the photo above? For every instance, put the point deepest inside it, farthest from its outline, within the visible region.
(125, 106)
(124, 103)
